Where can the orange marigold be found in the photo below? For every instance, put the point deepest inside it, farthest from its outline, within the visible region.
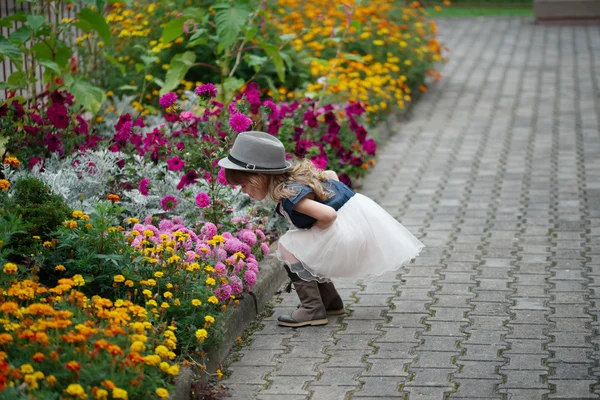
(113, 197)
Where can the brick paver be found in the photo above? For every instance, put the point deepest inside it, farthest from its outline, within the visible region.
(497, 171)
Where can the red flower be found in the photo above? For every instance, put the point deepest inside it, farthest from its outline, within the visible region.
(58, 116)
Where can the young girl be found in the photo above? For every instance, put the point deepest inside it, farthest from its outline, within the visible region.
(334, 233)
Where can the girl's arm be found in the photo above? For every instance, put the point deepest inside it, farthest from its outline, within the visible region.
(324, 215)
(331, 175)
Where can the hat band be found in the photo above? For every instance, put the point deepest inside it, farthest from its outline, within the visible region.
(248, 165)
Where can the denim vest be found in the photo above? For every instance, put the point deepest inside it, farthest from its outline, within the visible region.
(342, 194)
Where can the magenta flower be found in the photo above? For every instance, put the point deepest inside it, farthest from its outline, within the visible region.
(58, 116)
(144, 184)
(345, 179)
(186, 115)
(319, 161)
(265, 249)
(221, 177)
(175, 164)
(189, 178)
(250, 278)
(202, 200)
(168, 203)
(369, 146)
(208, 230)
(33, 161)
(167, 99)
(239, 122)
(206, 91)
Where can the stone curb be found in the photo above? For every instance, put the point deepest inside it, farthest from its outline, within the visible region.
(271, 277)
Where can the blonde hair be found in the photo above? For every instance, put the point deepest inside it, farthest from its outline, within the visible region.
(278, 185)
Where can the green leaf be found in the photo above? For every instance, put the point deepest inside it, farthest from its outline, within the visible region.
(353, 57)
(194, 13)
(128, 87)
(43, 51)
(100, 4)
(7, 22)
(7, 49)
(232, 85)
(271, 85)
(148, 60)
(173, 29)
(88, 95)
(179, 66)
(17, 79)
(50, 65)
(85, 26)
(230, 18)
(287, 37)
(129, 3)
(139, 67)
(21, 35)
(251, 33)
(35, 21)
(273, 52)
(255, 61)
(97, 21)
(63, 53)
(356, 25)
(114, 62)
(319, 61)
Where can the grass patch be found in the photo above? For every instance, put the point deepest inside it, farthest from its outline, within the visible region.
(478, 12)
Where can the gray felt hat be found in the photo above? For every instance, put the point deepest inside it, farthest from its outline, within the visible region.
(255, 151)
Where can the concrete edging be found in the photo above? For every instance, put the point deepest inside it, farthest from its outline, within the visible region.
(271, 277)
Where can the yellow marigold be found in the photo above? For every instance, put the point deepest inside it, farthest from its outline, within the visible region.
(177, 302)
(201, 334)
(210, 281)
(218, 239)
(164, 305)
(219, 374)
(119, 278)
(129, 283)
(137, 347)
(162, 393)
(119, 394)
(76, 389)
(213, 300)
(173, 370)
(209, 318)
(168, 295)
(152, 303)
(151, 282)
(113, 197)
(47, 244)
(147, 293)
(148, 233)
(12, 161)
(159, 274)
(9, 307)
(78, 280)
(10, 268)
(152, 360)
(60, 267)
(4, 184)
(27, 369)
(196, 302)
(51, 379)
(133, 220)
(169, 285)
(101, 394)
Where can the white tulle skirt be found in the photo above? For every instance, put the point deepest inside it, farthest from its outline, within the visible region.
(363, 241)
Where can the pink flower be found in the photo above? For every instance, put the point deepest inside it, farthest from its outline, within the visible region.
(265, 249)
(248, 237)
(175, 164)
(220, 269)
(202, 200)
(168, 203)
(143, 188)
(261, 234)
(236, 285)
(223, 292)
(221, 177)
(167, 99)
(319, 161)
(206, 91)
(186, 115)
(239, 122)
(250, 278)
(208, 230)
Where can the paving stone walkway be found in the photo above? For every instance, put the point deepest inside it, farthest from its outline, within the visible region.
(498, 172)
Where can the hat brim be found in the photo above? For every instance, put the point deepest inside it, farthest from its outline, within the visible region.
(228, 164)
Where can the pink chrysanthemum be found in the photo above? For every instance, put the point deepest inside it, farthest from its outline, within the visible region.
(206, 91)
(250, 278)
(239, 122)
(175, 164)
(265, 249)
(168, 203)
(167, 99)
(202, 200)
(221, 177)
(208, 230)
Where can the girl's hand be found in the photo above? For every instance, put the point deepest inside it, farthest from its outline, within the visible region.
(324, 214)
(331, 175)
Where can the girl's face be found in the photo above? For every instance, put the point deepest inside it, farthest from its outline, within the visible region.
(257, 192)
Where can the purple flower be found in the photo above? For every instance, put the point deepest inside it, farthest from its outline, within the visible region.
(239, 122)
(168, 203)
(265, 249)
(143, 188)
(167, 99)
(202, 200)
(345, 179)
(206, 91)
(369, 146)
(175, 164)
(249, 278)
(58, 116)
(53, 142)
(33, 161)
(223, 292)
(236, 285)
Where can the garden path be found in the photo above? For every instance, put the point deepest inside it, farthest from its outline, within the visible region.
(497, 171)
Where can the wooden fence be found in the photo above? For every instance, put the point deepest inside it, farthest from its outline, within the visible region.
(10, 7)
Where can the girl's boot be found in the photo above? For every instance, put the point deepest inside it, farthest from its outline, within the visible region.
(311, 310)
(331, 299)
